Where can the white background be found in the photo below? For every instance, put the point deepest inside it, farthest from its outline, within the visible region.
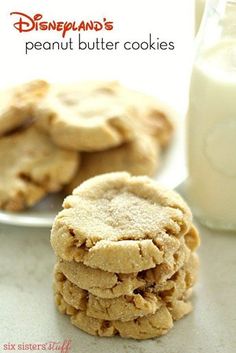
(164, 74)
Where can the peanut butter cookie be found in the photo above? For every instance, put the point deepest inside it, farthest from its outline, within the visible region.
(120, 223)
(172, 299)
(124, 308)
(143, 302)
(88, 116)
(32, 166)
(98, 282)
(111, 285)
(153, 325)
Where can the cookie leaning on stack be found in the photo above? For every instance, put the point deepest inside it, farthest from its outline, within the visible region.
(126, 257)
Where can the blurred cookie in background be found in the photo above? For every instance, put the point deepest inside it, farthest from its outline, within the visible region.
(32, 166)
(88, 116)
(17, 104)
(139, 157)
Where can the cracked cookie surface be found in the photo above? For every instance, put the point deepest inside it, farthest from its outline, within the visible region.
(174, 304)
(153, 325)
(124, 308)
(88, 116)
(17, 104)
(98, 282)
(150, 326)
(144, 301)
(119, 223)
(31, 166)
(111, 285)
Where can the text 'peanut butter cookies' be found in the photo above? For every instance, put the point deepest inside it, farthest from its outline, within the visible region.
(86, 117)
(119, 223)
(17, 104)
(138, 157)
(32, 166)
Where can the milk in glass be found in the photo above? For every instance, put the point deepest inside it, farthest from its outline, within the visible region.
(211, 121)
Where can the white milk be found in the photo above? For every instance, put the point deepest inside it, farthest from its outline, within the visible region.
(211, 137)
(199, 9)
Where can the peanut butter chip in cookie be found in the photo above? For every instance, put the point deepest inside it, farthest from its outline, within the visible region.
(119, 223)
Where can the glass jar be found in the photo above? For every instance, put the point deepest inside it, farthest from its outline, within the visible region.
(211, 120)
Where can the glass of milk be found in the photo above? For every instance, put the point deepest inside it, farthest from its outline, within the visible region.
(211, 120)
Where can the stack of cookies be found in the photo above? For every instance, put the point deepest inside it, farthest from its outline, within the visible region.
(126, 260)
(53, 137)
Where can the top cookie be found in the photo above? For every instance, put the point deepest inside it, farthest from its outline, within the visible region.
(89, 116)
(17, 104)
(115, 221)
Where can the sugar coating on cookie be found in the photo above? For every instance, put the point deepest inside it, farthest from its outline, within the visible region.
(17, 104)
(120, 223)
(31, 166)
(138, 157)
(88, 116)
